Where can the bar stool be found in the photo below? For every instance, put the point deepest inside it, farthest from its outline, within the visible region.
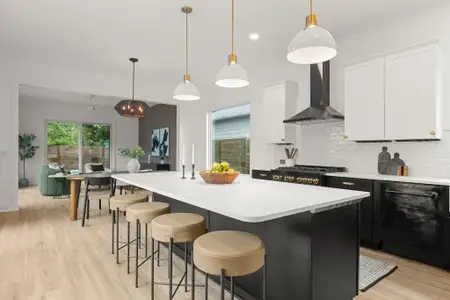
(142, 213)
(118, 204)
(176, 228)
(229, 253)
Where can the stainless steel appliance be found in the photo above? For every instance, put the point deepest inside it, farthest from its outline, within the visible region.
(416, 222)
(300, 174)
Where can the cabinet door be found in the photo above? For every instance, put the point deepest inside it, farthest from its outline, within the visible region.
(364, 101)
(274, 113)
(413, 102)
(367, 205)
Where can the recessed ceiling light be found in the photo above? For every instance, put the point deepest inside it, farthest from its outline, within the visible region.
(254, 36)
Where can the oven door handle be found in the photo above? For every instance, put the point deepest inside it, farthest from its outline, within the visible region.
(430, 195)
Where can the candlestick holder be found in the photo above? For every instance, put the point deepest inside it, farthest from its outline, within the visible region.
(184, 172)
(193, 171)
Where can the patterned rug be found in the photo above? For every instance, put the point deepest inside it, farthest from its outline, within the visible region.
(372, 271)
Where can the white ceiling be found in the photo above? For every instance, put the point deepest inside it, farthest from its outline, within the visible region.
(41, 93)
(101, 35)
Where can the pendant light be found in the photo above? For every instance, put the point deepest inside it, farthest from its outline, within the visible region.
(313, 44)
(131, 108)
(233, 75)
(186, 91)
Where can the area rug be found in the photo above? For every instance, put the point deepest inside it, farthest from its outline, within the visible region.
(372, 271)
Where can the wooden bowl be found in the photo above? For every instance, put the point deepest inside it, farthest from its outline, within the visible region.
(220, 177)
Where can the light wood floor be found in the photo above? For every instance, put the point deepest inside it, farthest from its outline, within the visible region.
(44, 256)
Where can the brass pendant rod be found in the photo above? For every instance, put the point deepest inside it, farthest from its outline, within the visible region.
(134, 74)
(310, 7)
(232, 27)
(186, 45)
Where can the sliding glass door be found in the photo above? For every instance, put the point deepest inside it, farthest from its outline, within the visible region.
(76, 144)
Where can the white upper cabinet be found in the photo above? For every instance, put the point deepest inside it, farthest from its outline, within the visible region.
(364, 101)
(395, 96)
(413, 97)
(279, 103)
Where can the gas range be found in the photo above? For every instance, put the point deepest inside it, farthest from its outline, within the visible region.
(302, 174)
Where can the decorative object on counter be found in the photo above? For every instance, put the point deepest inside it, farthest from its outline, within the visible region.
(133, 165)
(383, 160)
(193, 171)
(184, 172)
(232, 75)
(220, 173)
(131, 108)
(160, 142)
(395, 164)
(290, 154)
(186, 91)
(26, 150)
(313, 44)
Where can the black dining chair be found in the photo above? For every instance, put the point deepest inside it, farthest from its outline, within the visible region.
(96, 188)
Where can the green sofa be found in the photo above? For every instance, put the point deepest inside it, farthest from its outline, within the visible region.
(51, 186)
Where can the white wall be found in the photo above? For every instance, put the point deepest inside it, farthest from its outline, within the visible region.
(34, 113)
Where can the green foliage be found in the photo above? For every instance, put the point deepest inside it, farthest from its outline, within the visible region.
(132, 153)
(26, 148)
(62, 134)
(96, 135)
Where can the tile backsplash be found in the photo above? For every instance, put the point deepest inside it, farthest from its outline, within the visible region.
(324, 144)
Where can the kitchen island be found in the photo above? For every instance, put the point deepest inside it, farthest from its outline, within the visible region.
(311, 233)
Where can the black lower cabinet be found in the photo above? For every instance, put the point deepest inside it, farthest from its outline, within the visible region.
(309, 256)
(370, 208)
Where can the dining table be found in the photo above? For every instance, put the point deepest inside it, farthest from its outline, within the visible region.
(75, 187)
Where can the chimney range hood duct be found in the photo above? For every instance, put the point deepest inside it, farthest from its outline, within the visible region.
(320, 110)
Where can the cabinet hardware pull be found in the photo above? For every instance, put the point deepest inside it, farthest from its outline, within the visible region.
(432, 132)
(263, 175)
(431, 195)
(347, 183)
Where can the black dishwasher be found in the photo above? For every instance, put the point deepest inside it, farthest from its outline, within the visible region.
(416, 222)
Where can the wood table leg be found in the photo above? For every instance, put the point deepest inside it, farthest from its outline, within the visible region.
(74, 187)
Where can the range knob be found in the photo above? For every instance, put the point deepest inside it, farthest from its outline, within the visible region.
(310, 181)
(299, 179)
(316, 181)
(305, 180)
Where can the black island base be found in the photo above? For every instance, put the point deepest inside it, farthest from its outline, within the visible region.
(310, 256)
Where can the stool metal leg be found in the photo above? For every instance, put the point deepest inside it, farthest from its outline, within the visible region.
(112, 231)
(186, 267)
(152, 274)
(170, 267)
(157, 257)
(232, 287)
(264, 296)
(146, 240)
(128, 247)
(138, 225)
(206, 285)
(117, 235)
(222, 286)
(192, 277)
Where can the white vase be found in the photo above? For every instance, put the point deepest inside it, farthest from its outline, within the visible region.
(133, 165)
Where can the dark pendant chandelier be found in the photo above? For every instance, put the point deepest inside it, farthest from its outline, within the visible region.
(131, 108)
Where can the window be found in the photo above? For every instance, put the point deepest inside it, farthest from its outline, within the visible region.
(230, 137)
(76, 144)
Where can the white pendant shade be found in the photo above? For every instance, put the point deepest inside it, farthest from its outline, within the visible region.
(186, 91)
(311, 46)
(232, 75)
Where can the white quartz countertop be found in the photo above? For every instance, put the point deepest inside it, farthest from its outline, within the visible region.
(412, 179)
(248, 200)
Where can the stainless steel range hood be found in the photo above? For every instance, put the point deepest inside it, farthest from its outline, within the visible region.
(320, 109)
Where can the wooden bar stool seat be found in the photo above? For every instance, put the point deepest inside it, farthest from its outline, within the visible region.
(229, 253)
(142, 213)
(118, 204)
(176, 228)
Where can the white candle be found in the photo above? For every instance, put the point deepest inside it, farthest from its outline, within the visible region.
(184, 151)
(193, 154)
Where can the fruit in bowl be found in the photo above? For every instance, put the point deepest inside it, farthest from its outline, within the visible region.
(220, 173)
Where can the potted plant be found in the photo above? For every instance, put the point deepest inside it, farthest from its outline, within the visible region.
(133, 165)
(26, 150)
